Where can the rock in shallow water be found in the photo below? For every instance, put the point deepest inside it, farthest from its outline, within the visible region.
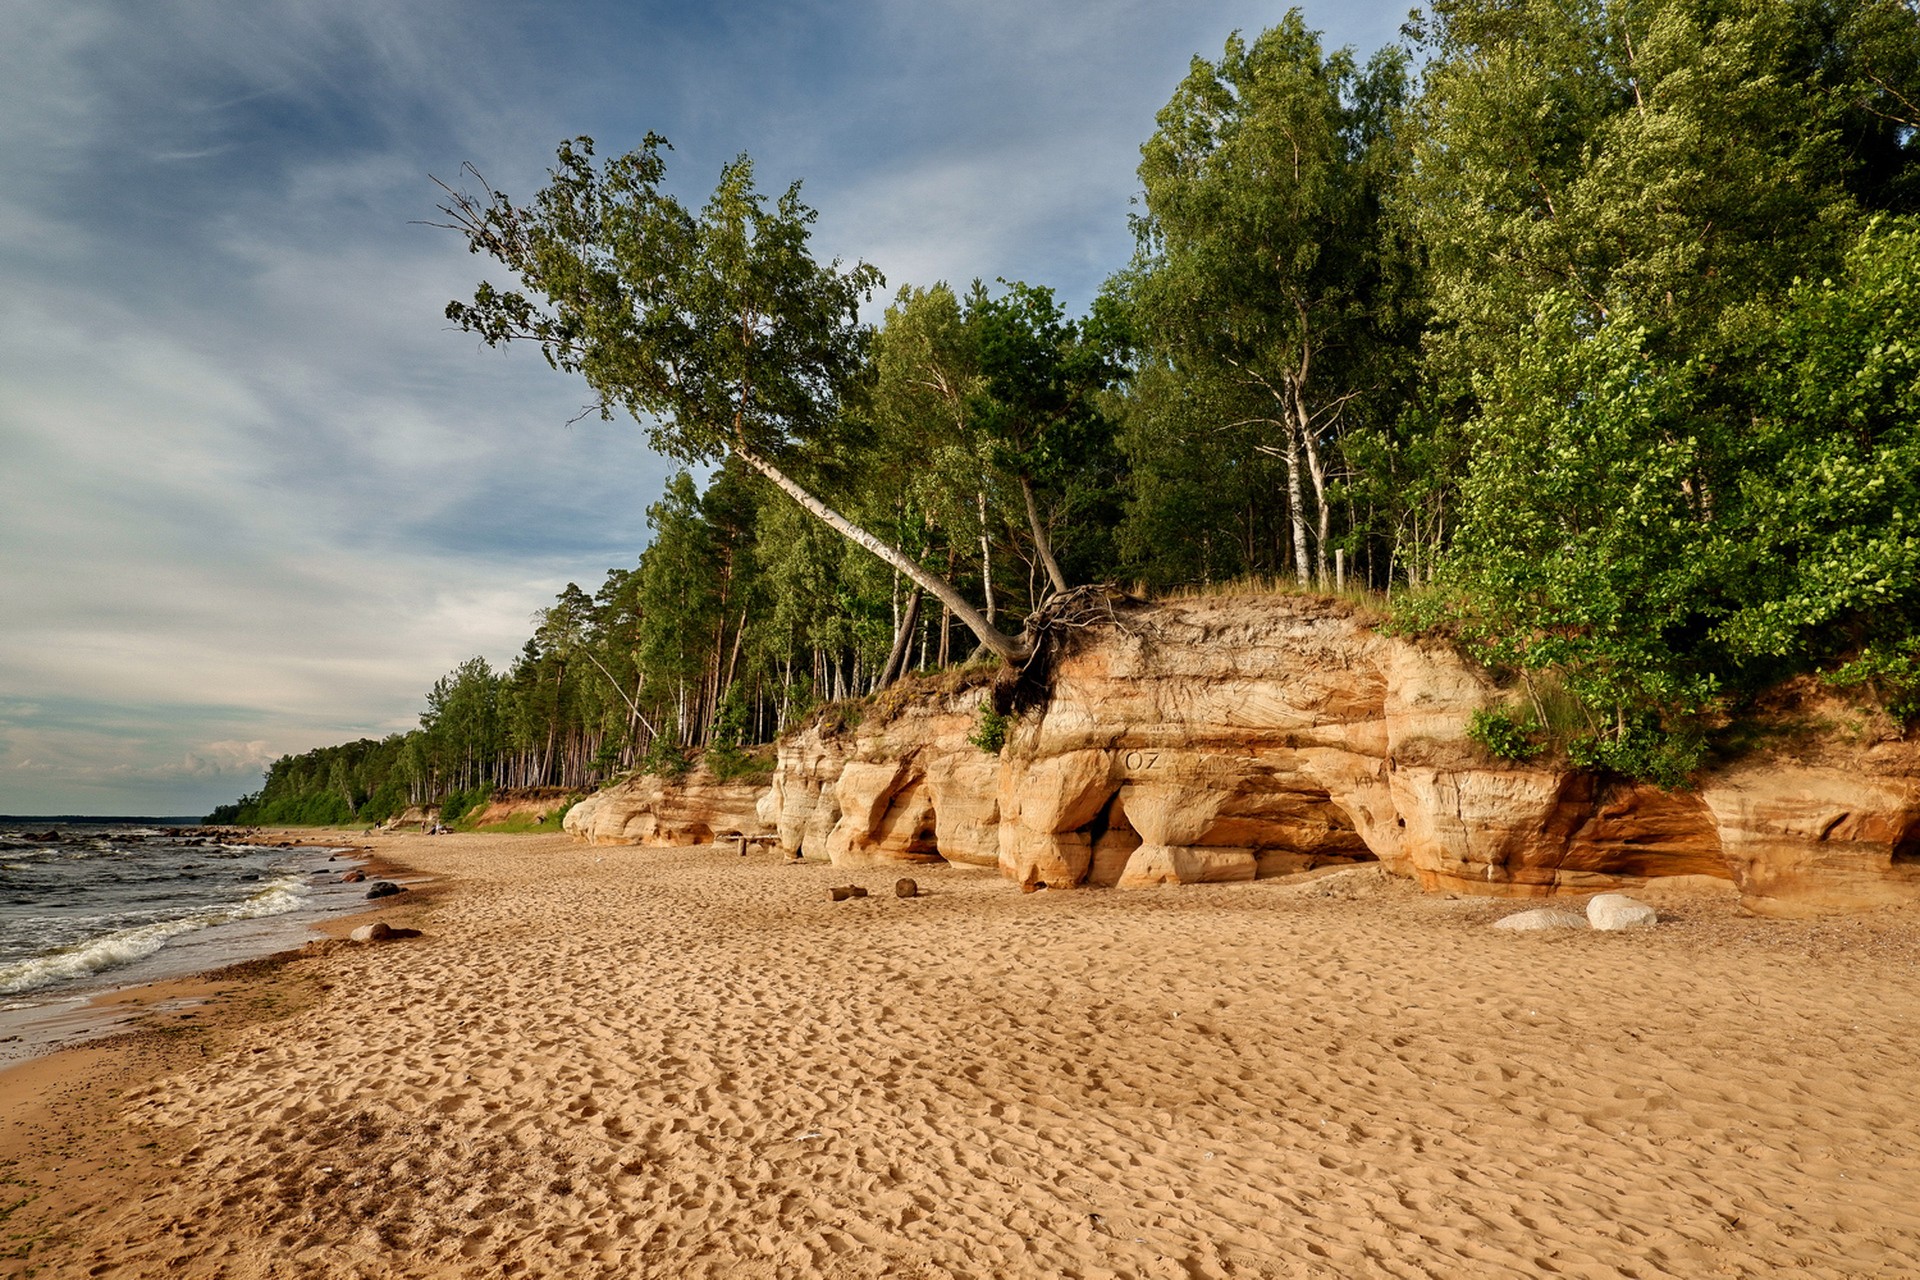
(383, 889)
(1614, 911)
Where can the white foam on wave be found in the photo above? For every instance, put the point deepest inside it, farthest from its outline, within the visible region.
(123, 947)
(276, 899)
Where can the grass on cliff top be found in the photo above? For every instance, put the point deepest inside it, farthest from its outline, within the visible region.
(518, 824)
(935, 684)
(550, 801)
(722, 764)
(1369, 606)
(740, 764)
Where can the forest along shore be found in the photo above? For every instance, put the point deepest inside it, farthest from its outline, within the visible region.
(609, 1061)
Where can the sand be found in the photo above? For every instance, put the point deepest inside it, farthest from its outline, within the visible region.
(685, 1063)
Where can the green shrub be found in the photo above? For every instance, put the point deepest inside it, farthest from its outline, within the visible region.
(1645, 753)
(457, 804)
(389, 799)
(725, 758)
(1503, 737)
(727, 762)
(665, 758)
(1891, 673)
(990, 731)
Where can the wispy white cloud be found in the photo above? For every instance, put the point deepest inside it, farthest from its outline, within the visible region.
(257, 494)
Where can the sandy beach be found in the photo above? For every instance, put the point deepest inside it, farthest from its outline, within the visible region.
(685, 1063)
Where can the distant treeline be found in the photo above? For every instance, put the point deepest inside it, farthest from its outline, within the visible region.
(1595, 344)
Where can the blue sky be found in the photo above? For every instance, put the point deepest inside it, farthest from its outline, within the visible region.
(256, 495)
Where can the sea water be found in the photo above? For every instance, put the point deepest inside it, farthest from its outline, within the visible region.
(108, 903)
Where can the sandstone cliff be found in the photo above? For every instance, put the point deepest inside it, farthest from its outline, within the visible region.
(647, 809)
(1230, 739)
(1238, 738)
(537, 804)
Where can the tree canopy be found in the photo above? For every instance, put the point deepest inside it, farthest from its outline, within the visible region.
(1589, 343)
(1267, 266)
(717, 330)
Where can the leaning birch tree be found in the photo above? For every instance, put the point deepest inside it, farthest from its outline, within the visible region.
(716, 330)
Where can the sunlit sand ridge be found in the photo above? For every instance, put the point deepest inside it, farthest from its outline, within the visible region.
(627, 1062)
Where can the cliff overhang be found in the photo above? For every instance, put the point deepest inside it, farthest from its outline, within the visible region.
(1225, 739)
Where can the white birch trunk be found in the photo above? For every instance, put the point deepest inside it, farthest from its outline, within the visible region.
(1009, 648)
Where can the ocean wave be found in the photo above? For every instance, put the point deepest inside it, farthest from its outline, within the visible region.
(124, 946)
(276, 899)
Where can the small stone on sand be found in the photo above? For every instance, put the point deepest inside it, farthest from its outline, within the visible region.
(1614, 911)
(1541, 918)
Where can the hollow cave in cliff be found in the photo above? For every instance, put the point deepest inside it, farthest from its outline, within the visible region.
(910, 817)
(1301, 832)
(1906, 850)
(1112, 839)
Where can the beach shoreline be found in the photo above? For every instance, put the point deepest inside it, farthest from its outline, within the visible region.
(60, 1110)
(44, 1019)
(611, 1061)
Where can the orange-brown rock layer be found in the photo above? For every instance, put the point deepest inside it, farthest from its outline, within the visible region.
(1230, 739)
(537, 803)
(647, 809)
(1237, 738)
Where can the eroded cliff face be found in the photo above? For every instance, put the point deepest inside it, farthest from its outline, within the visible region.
(537, 804)
(1804, 837)
(905, 786)
(1230, 739)
(695, 808)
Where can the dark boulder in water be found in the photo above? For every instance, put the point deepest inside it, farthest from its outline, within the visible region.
(383, 889)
